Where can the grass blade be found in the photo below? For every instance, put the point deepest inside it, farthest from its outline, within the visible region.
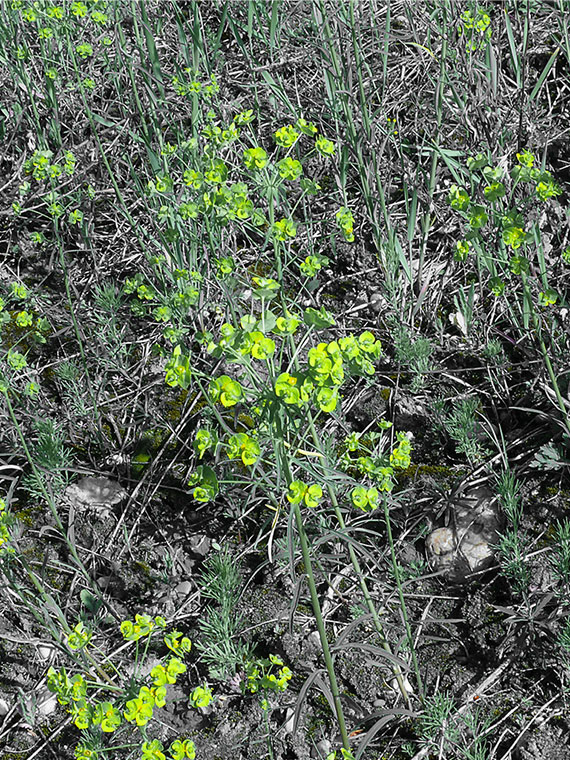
(545, 72)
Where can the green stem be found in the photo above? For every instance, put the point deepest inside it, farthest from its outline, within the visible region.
(268, 735)
(315, 603)
(321, 626)
(427, 217)
(361, 581)
(403, 606)
(352, 554)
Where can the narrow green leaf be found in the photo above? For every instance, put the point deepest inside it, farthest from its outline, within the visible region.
(411, 214)
(279, 92)
(515, 60)
(545, 72)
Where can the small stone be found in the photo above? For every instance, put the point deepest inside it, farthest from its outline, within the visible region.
(46, 651)
(95, 492)
(322, 748)
(47, 703)
(377, 303)
(465, 546)
(405, 683)
(183, 589)
(441, 541)
(440, 548)
(314, 639)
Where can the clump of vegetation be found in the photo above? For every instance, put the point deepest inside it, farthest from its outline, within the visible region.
(189, 241)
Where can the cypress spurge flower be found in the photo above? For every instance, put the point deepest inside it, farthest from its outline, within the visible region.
(284, 229)
(290, 168)
(79, 637)
(243, 446)
(313, 495)
(81, 715)
(82, 752)
(514, 237)
(327, 399)
(176, 642)
(301, 492)
(178, 371)
(180, 750)
(365, 499)
(143, 626)
(164, 675)
(286, 389)
(225, 390)
(201, 696)
(324, 146)
(306, 127)
(263, 347)
(286, 136)
(139, 710)
(153, 751)
(106, 715)
(159, 695)
(254, 158)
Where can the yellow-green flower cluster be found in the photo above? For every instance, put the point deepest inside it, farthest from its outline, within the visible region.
(260, 675)
(244, 447)
(205, 484)
(140, 709)
(326, 364)
(300, 492)
(476, 26)
(182, 749)
(188, 87)
(67, 689)
(365, 499)
(201, 696)
(511, 220)
(40, 165)
(177, 643)
(178, 750)
(72, 692)
(400, 457)
(226, 390)
(345, 221)
(244, 342)
(312, 264)
(381, 471)
(79, 637)
(167, 674)
(177, 369)
(106, 716)
(254, 158)
(204, 440)
(142, 626)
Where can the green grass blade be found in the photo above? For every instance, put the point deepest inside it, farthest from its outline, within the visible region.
(279, 92)
(151, 48)
(545, 72)
(513, 53)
